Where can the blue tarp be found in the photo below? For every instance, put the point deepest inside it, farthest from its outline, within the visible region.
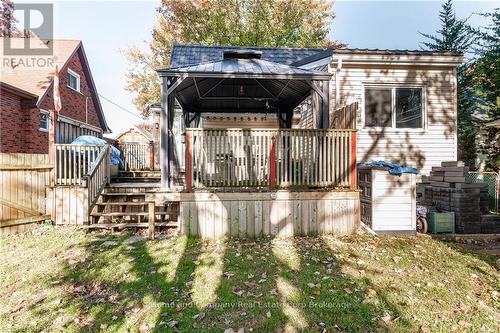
(115, 158)
(394, 169)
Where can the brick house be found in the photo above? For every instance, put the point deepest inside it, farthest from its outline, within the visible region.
(26, 90)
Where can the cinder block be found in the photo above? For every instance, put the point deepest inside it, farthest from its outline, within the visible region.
(452, 164)
(456, 179)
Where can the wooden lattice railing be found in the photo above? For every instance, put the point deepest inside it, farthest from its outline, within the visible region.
(270, 158)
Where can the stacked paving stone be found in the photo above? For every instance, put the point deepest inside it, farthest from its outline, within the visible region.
(449, 189)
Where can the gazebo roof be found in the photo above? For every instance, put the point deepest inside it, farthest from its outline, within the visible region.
(244, 68)
(241, 82)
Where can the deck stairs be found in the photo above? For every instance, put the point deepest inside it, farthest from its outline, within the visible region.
(122, 204)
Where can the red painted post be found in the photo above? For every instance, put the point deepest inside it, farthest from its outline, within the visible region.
(272, 163)
(189, 162)
(151, 155)
(52, 145)
(354, 170)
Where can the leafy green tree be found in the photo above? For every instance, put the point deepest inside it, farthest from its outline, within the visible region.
(487, 79)
(455, 35)
(272, 23)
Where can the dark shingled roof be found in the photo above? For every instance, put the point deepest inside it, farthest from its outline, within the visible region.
(186, 55)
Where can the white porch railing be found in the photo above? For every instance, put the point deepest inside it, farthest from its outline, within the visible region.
(270, 158)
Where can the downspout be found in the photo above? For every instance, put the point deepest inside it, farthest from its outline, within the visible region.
(337, 83)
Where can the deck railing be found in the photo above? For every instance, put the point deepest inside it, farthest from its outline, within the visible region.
(98, 175)
(270, 158)
(137, 155)
(72, 162)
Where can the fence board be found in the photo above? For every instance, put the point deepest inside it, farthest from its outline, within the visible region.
(23, 178)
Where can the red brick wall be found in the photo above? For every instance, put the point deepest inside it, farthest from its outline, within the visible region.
(73, 102)
(19, 128)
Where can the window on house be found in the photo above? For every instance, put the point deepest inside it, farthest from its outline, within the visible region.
(393, 107)
(44, 121)
(378, 107)
(73, 80)
(408, 108)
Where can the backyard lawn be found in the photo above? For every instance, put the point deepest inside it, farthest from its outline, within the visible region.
(61, 279)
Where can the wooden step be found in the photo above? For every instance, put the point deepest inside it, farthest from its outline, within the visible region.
(119, 214)
(120, 203)
(107, 194)
(129, 225)
(155, 174)
(121, 179)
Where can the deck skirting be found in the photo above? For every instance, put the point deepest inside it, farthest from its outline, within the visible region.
(281, 213)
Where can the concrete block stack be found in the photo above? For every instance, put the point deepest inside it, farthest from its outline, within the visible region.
(449, 189)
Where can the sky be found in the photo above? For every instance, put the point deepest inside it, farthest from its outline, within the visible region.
(108, 28)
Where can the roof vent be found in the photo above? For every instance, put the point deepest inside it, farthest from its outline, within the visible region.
(241, 54)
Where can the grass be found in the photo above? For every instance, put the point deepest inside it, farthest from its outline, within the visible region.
(61, 279)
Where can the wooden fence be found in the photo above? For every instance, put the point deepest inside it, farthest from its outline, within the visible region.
(345, 117)
(23, 181)
(73, 162)
(270, 158)
(137, 156)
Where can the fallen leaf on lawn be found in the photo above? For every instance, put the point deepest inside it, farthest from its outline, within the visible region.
(311, 285)
(229, 330)
(238, 291)
(199, 316)
(273, 292)
(347, 290)
(268, 314)
(386, 318)
(172, 323)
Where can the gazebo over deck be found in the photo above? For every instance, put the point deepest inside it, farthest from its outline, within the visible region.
(241, 82)
(301, 173)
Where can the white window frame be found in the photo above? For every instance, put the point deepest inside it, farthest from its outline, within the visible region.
(393, 87)
(73, 73)
(48, 121)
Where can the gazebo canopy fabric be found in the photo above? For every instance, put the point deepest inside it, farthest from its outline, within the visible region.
(241, 82)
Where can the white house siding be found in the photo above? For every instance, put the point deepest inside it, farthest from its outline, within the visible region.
(422, 148)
